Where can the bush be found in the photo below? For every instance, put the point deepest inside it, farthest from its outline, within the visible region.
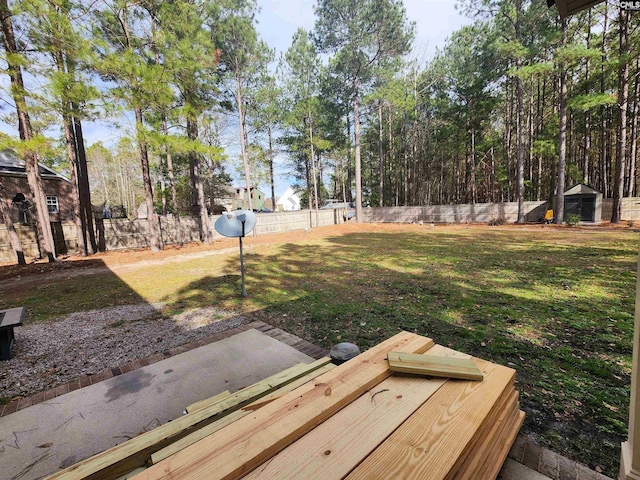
(496, 222)
(573, 219)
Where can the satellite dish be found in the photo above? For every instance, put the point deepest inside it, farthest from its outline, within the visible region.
(236, 224)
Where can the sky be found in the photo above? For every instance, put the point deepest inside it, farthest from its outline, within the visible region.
(277, 21)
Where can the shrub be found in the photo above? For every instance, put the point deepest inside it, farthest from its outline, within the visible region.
(496, 221)
(573, 219)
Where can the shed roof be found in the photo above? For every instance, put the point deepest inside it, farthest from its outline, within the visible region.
(11, 165)
(581, 188)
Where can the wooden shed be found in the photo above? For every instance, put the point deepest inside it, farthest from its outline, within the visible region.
(584, 201)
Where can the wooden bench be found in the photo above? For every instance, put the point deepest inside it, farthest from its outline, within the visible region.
(8, 320)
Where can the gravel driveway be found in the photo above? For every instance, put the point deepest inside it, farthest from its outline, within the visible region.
(53, 353)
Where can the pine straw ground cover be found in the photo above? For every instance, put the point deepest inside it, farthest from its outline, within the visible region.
(556, 304)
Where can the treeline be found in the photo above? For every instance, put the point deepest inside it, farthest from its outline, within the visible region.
(521, 105)
(517, 106)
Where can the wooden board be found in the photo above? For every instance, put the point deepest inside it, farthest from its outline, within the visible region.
(435, 366)
(288, 388)
(297, 371)
(197, 435)
(208, 401)
(239, 448)
(495, 428)
(495, 461)
(429, 443)
(331, 450)
(232, 417)
(137, 451)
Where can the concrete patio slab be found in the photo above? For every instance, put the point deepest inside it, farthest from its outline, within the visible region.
(55, 434)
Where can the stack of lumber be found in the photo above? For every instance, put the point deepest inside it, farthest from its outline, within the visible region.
(357, 420)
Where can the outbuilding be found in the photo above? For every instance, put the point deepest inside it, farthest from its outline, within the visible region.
(584, 201)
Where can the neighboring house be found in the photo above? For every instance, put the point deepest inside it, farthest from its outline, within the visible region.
(242, 199)
(57, 190)
(225, 198)
(288, 201)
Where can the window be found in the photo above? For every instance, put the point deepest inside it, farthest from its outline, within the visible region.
(52, 204)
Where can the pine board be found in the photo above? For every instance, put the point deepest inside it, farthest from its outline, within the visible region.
(197, 435)
(495, 460)
(288, 388)
(239, 448)
(352, 433)
(435, 366)
(429, 443)
(294, 372)
(488, 438)
(137, 451)
(208, 401)
(232, 417)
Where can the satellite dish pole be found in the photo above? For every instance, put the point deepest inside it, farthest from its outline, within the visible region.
(237, 224)
(243, 219)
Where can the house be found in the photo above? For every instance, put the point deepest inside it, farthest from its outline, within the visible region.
(57, 189)
(241, 201)
(222, 199)
(288, 201)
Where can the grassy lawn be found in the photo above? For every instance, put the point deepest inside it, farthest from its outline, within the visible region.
(555, 304)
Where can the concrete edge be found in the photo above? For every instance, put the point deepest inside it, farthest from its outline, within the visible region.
(84, 381)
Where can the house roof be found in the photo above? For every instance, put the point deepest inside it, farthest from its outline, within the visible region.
(569, 7)
(10, 165)
(288, 194)
(581, 188)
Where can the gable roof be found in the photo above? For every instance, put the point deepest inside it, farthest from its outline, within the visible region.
(289, 193)
(11, 165)
(581, 188)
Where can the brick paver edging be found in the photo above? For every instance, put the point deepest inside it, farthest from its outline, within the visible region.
(549, 463)
(39, 397)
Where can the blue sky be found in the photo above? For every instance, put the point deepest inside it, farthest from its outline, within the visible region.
(277, 21)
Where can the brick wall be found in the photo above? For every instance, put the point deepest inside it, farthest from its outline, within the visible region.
(15, 184)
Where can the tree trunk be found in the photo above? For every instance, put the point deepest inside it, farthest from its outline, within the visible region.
(356, 139)
(84, 191)
(631, 189)
(43, 225)
(154, 240)
(5, 216)
(243, 138)
(587, 127)
(315, 175)
(381, 157)
(83, 186)
(273, 188)
(520, 124)
(562, 136)
(200, 202)
(70, 143)
(623, 104)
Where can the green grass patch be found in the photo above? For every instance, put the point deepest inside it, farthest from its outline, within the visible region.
(556, 305)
